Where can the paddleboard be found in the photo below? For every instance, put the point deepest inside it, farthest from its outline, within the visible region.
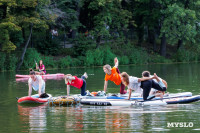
(122, 102)
(43, 76)
(133, 96)
(33, 99)
(63, 100)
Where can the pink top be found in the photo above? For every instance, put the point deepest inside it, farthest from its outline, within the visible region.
(78, 83)
(42, 67)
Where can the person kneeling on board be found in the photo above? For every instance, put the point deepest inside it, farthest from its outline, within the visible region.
(148, 84)
(79, 83)
(157, 93)
(37, 83)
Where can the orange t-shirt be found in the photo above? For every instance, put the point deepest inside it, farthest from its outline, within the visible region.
(114, 76)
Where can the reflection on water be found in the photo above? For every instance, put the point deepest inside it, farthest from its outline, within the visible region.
(44, 118)
(180, 78)
(33, 117)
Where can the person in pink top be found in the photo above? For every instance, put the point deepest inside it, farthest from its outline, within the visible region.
(41, 68)
(74, 81)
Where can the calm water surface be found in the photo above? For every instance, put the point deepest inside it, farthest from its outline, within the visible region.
(43, 118)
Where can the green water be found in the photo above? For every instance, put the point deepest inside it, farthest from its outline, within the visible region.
(15, 118)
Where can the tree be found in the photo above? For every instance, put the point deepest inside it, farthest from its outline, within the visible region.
(106, 16)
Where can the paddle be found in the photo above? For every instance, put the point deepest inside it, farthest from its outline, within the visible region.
(37, 65)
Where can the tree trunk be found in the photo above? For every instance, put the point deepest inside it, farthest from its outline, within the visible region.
(22, 57)
(180, 44)
(140, 33)
(4, 10)
(152, 38)
(163, 46)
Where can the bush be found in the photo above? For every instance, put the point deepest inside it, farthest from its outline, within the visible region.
(124, 60)
(77, 62)
(65, 62)
(11, 62)
(185, 56)
(82, 44)
(89, 61)
(138, 56)
(98, 57)
(108, 56)
(30, 57)
(49, 62)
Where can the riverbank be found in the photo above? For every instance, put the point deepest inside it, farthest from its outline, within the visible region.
(128, 54)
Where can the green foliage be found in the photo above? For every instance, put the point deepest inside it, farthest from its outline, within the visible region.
(49, 62)
(89, 58)
(179, 24)
(30, 57)
(184, 55)
(64, 62)
(108, 16)
(6, 29)
(138, 56)
(108, 56)
(98, 57)
(11, 62)
(78, 62)
(124, 60)
(82, 44)
(155, 58)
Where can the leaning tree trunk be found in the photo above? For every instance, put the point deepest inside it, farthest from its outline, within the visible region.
(163, 46)
(22, 57)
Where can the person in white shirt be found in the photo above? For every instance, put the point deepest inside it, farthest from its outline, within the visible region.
(37, 83)
(54, 33)
(133, 83)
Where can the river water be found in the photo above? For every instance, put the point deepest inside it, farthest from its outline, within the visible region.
(43, 118)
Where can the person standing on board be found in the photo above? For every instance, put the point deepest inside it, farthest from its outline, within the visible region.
(74, 81)
(37, 83)
(113, 74)
(41, 68)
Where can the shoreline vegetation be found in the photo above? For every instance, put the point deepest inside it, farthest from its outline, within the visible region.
(91, 58)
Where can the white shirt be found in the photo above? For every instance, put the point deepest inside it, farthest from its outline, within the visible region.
(134, 84)
(54, 32)
(35, 84)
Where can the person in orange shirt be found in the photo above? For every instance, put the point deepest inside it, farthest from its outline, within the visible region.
(113, 74)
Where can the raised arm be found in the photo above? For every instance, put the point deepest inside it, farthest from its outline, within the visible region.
(36, 66)
(116, 62)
